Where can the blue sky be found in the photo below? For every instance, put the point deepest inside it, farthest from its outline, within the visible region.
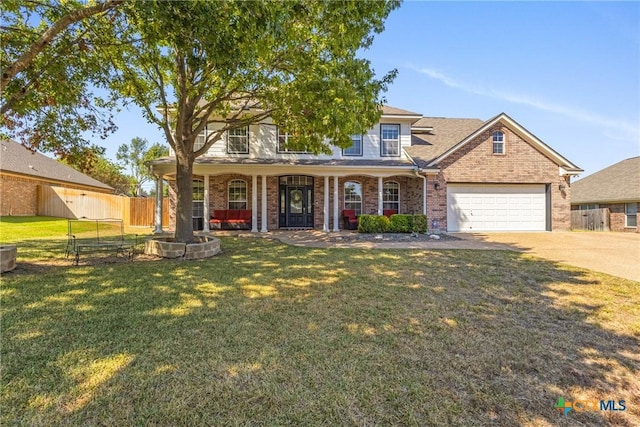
(569, 72)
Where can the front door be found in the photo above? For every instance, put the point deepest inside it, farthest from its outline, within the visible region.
(298, 207)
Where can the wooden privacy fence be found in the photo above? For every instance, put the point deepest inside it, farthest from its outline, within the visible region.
(590, 219)
(71, 203)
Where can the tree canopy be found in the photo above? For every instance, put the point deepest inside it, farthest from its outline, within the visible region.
(51, 70)
(238, 62)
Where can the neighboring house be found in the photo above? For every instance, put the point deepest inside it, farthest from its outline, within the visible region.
(464, 174)
(617, 188)
(22, 171)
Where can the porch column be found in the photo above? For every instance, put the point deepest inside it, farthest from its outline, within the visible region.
(336, 205)
(424, 195)
(263, 215)
(205, 220)
(380, 195)
(158, 210)
(254, 203)
(325, 206)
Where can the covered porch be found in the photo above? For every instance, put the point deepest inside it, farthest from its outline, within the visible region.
(294, 195)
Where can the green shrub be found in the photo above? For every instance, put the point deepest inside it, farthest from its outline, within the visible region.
(419, 223)
(401, 223)
(398, 223)
(373, 224)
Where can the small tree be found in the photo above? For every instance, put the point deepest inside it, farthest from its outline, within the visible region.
(134, 156)
(238, 62)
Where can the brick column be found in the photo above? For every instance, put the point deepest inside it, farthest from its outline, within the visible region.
(263, 215)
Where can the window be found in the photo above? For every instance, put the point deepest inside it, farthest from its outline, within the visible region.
(631, 213)
(587, 207)
(198, 198)
(391, 196)
(237, 194)
(285, 141)
(238, 140)
(200, 139)
(498, 143)
(353, 196)
(389, 140)
(356, 147)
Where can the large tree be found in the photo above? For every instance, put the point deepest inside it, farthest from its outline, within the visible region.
(50, 70)
(135, 156)
(91, 161)
(239, 62)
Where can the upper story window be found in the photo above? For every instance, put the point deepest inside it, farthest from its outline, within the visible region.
(391, 196)
(285, 141)
(237, 194)
(498, 142)
(631, 214)
(356, 147)
(353, 196)
(200, 139)
(389, 140)
(238, 140)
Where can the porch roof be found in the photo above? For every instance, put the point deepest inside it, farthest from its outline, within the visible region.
(253, 166)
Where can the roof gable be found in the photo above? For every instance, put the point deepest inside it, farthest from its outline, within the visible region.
(17, 159)
(507, 121)
(617, 183)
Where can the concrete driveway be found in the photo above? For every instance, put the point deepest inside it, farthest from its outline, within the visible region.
(617, 254)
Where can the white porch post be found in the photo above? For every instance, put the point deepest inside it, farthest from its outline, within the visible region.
(254, 203)
(336, 205)
(424, 195)
(380, 195)
(263, 215)
(158, 210)
(205, 220)
(325, 206)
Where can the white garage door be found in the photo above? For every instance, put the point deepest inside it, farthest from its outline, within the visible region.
(506, 207)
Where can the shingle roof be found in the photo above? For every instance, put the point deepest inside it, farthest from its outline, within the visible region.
(403, 163)
(425, 147)
(617, 183)
(15, 158)
(393, 111)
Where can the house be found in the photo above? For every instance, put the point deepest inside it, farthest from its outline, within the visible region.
(464, 174)
(616, 188)
(22, 171)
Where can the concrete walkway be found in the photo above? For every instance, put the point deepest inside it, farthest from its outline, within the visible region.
(617, 254)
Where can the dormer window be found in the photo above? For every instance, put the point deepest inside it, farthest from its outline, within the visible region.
(498, 142)
(389, 140)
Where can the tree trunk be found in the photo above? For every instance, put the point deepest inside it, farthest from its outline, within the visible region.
(184, 205)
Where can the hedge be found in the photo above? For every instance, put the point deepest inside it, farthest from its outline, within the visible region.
(399, 223)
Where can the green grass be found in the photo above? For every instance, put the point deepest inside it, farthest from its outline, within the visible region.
(269, 334)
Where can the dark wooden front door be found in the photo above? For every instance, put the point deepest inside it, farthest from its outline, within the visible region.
(298, 206)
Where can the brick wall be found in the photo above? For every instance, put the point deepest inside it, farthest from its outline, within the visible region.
(521, 163)
(618, 218)
(19, 195)
(410, 197)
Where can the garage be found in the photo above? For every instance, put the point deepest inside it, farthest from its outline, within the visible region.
(496, 207)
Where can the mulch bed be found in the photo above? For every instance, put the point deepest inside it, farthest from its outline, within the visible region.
(394, 237)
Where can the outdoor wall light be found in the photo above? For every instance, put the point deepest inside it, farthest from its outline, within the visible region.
(436, 185)
(561, 187)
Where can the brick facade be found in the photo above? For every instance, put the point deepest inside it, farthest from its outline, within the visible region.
(410, 196)
(19, 194)
(520, 164)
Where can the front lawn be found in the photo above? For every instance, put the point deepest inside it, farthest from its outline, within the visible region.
(269, 334)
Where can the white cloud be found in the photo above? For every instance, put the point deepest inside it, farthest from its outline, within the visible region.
(628, 128)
